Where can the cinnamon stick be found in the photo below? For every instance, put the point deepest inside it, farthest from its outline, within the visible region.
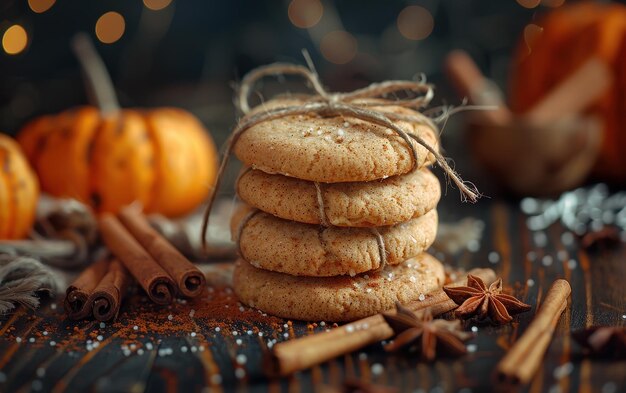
(294, 355)
(469, 82)
(187, 276)
(106, 298)
(575, 93)
(148, 273)
(76, 303)
(522, 361)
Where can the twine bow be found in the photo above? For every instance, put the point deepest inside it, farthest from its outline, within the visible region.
(355, 104)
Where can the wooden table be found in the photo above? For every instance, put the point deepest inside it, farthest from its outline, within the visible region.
(598, 297)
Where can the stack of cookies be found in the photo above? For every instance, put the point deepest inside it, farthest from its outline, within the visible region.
(338, 216)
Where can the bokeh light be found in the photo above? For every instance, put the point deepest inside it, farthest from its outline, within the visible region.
(156, 5)
(14, 40)
(532, 32)
(529, 3)
(39, 6)
(110, 27)
(415, 22)
(305, 13)
(338, 47)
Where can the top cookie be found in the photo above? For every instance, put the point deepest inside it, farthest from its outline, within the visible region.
(332, 149)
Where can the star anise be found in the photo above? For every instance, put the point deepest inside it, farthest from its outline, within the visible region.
(433, 334)
(604, 341)
(476, 299)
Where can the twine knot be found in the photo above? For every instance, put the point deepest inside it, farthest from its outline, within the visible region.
(358, 104)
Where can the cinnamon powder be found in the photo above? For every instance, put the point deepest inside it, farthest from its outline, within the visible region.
(216, 307)
(140, 320)
(216, 312)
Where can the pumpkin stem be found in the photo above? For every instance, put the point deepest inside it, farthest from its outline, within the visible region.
(100, 88)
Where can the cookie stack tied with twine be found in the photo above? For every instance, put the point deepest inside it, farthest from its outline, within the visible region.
(339, 204)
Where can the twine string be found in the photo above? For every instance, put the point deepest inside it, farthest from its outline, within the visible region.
(248, 81)
(242, 174)
(320, 204)
(357, 104)
(242, 224)
(381, 248)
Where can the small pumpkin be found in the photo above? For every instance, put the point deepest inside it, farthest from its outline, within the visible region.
(572, 35)
(108, 157)
(19, 191)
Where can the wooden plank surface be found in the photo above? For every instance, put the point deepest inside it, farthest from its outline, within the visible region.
(62, 359)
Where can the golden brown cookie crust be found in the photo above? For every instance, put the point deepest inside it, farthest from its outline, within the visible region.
(336, 299)
(289, 247)
(363, 204)
(333, 149)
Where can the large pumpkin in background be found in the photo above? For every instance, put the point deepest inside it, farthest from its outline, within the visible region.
(19, 191)
(162, 158)
(572, 35)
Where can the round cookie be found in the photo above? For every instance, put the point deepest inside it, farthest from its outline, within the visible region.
(337, 299)
(289, 247)
(332, 149)
(364, 204)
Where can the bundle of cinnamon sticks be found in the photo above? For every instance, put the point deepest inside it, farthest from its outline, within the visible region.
(141, 252)
(98, 291)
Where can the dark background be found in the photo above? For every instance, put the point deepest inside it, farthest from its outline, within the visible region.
(189, 53)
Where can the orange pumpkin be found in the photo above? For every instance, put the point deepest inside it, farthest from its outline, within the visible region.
(19, 191)
(163, 158)
(572, 35)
